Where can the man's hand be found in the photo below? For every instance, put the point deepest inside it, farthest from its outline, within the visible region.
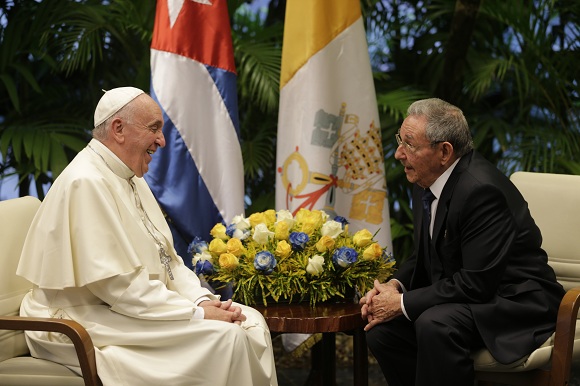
(381, 304)
(224, 311)
(365, 301)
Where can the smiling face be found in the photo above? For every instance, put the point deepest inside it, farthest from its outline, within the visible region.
(140, 134)
(424, 162)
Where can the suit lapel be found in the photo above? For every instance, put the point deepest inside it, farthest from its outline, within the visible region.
(446, 194)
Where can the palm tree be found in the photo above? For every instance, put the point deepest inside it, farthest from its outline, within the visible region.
(258, 53)
(511, 66)
(55, 58)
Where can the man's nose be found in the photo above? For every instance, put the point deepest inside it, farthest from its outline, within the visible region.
(400, 152)
(160, 139)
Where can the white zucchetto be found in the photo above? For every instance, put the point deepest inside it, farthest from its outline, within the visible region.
(113, 101)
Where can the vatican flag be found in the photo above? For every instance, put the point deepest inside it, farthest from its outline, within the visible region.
(329, 152)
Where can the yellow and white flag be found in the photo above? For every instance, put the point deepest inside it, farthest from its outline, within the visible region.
(329, 152)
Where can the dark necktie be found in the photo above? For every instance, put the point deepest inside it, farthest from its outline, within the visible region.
(428, 198)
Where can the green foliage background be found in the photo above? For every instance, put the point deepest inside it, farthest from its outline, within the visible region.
(512, 66)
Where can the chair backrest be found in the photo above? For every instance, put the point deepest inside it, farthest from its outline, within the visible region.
(554, 202)
(15, 218)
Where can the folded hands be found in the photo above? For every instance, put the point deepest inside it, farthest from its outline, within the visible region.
(382, 303)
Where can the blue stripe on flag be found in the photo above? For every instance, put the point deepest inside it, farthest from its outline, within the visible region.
(225, 82)
(179, 188)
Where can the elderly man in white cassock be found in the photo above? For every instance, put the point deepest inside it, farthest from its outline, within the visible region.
(99, 252)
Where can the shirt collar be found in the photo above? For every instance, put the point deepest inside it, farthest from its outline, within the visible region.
(437, 186)
(111, 160)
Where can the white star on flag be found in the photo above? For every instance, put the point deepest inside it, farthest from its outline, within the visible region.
(174, 7)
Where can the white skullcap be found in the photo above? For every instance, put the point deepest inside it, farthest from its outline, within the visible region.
(113, 101)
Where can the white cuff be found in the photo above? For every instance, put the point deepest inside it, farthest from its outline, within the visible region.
(403, 307)
(199, 312)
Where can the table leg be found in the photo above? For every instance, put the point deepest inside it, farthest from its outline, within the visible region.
(329, 358)
(323, 362)
(361, 359)
(316, 360)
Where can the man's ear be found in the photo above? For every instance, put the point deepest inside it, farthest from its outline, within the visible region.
(447, 152)
(118, 130)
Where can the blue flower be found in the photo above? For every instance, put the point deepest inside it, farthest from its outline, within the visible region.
(388, 257)
(197, 246)
(298, 240)
(264, 262)
(230, 229)
(203, 267)
(341, 220)
(344, 256)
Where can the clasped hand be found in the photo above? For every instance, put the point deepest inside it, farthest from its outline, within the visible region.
(381, 304)
(224, 311)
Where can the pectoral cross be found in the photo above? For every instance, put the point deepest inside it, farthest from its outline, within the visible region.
(163, 256)
(165, 259)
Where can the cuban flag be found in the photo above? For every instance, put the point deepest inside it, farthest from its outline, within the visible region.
(198, 178)
(329, 149)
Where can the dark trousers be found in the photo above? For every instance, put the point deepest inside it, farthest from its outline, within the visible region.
(433, 350)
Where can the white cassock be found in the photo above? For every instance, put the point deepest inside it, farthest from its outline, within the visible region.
(92, 259)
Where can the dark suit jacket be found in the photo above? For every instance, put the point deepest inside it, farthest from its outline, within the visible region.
(486, 252)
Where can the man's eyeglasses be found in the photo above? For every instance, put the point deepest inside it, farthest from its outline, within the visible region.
(405, 144)
(408, 146)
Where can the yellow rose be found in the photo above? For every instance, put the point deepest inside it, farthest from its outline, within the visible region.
(325, 243)
(319, 217)
(281, 231)
(228, 261)
(362, 238)
(283, 249)
(219, 232)
(270, 216)
(217, 247)
(373, 252)
(235, 247)
(301, 215)
(313, 217)
(257, 218)
(309, 225)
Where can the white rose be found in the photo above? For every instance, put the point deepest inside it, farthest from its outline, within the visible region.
(241, 234)
(241, 222)
(315, 265)
(262, 234)
(203, 256)
(285, 216)
(331, 228)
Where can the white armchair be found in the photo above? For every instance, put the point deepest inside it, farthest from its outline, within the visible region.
(554, 202)
(17, 367)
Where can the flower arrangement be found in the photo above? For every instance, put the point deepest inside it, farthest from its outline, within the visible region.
(278, 256)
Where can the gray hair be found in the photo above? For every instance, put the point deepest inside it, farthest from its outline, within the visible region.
(100, 132)
(445, 123)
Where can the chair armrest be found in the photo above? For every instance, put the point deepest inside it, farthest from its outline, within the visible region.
(77, 334)
(564, 335)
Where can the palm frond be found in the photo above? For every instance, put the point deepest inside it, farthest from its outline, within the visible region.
(42, 144)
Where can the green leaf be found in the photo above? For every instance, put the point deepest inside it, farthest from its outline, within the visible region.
(11, 89)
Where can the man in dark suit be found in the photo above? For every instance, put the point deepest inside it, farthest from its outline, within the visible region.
(477, 277)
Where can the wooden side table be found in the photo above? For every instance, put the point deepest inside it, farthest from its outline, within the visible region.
(328, 319)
